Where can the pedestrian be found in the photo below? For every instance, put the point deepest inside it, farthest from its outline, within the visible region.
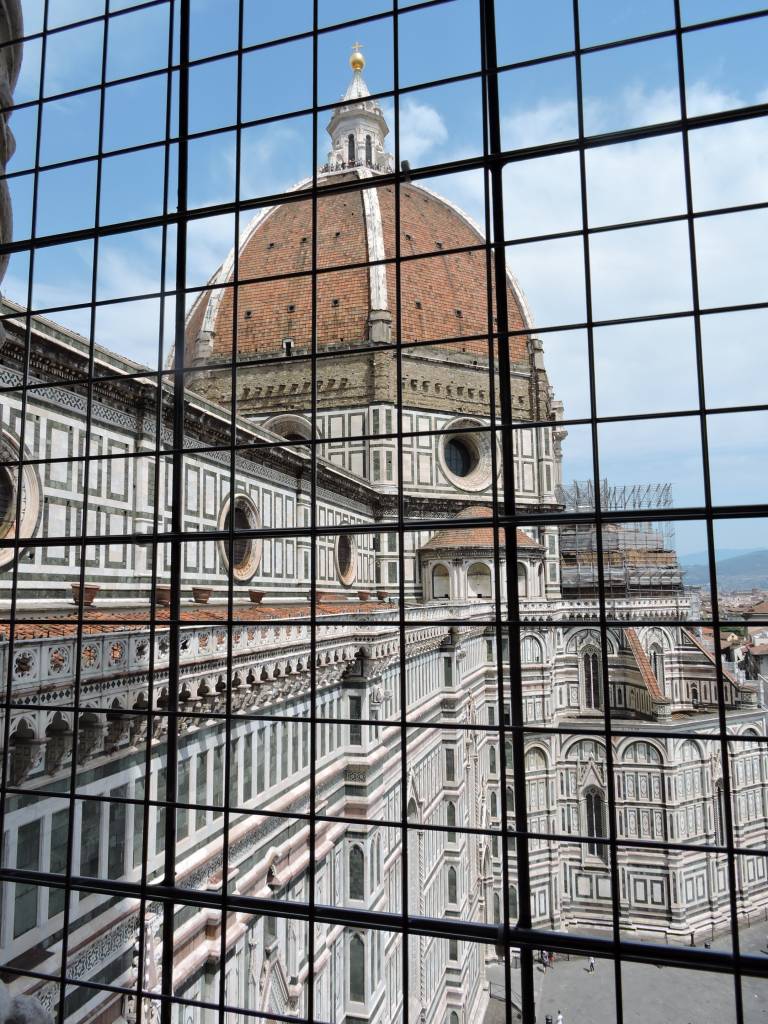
(545, 959)
(591, 967)
(551, 959)
(559, 1018)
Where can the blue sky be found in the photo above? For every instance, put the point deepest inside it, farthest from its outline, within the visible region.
(635, 272)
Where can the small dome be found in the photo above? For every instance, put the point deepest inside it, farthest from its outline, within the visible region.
(475, 536)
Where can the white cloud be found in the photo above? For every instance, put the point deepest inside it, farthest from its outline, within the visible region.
(648, 367)
(642, 369)
(732, 257)
(640, 271)
(538, 125)
(422, 129)
(209, 242)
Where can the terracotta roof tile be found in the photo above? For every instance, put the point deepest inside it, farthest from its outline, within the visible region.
(474, 536)
(102, 620)
(282, 244)
(710, 656)
(647, 673)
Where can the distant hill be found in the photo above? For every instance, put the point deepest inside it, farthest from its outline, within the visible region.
(734, 572)
(702, 557)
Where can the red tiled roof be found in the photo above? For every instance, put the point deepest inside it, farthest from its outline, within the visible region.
(710, 656)
(650, 680)
(103, 620)
(456, 536)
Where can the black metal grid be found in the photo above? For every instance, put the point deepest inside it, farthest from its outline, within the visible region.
(507, 621)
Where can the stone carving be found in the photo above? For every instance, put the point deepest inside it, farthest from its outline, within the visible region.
(116, 651)
(58, 659)
(89, 656)
(24, 664)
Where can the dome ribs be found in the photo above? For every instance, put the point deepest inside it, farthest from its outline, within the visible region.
(443, 293)
(433, 288)
(282, 308)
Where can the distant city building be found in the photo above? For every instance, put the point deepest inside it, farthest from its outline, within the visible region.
(661, 676)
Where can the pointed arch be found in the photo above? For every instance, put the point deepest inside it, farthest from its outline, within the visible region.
(591, 678)
(594, 806)
(356, 865)
(452, 886)
(450, 820)
(356, 968)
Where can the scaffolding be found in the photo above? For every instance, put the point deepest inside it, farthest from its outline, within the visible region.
(639, 557)
(579, 496)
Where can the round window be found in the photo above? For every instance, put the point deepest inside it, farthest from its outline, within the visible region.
(246, 551)
(346, 559)
(459, 457)
(465, 458)
(29, 506)
(7, 501)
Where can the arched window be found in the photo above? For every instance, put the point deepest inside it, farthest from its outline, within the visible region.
(595, 805)
(454, 1018)
(450, 820)
(413, 812)
(531, 651)
(479, 581)
(694, 695)
(690, 751)
(590, 667)
(356, 873)
(522, 580)
(513, 911)
(719, 814)
(368, 150)
(441, 586)
(642, 752)
(492, 760)
(496, 908)
(657, 663)
(357, 969)
(494, 804)
(452, 887)
(541, 578)
(350, 149)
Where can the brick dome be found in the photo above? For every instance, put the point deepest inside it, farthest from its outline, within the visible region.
(443, 293)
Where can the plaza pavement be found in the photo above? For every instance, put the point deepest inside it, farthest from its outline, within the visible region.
(651, 995)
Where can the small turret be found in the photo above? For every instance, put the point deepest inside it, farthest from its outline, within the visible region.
(358, 127)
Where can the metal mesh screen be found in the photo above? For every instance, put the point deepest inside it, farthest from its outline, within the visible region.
(383, 586)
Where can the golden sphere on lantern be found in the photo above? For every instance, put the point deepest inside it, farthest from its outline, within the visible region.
(357, 60)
